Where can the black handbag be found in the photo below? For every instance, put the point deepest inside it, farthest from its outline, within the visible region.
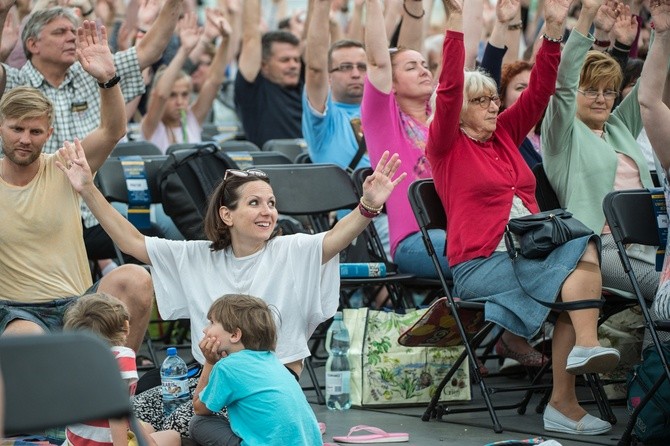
(539, 234)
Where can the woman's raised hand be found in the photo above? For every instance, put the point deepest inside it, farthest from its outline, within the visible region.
(378, 187)
(506, 10)
(625, 27)
(74, 165)
(556, 11)
(451, 6)
(189, 32)
(660, 13)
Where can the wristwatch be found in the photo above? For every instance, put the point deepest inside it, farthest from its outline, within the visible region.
(110, 83)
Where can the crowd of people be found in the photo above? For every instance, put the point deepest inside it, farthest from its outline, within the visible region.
(474, 102)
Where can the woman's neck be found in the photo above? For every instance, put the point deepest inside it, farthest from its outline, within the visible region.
(476, 135)
(414, 108)
(246, 249)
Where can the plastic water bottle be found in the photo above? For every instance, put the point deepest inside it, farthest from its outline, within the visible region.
(338, 374)
(174, 382)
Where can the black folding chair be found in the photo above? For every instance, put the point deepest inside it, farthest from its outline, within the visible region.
(314, 191)
(289, 147)
(237, 145)
(430, 214)
(82, 383)
(631, 217)
(144, 148)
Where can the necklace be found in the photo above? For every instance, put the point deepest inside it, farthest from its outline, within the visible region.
(244, 270)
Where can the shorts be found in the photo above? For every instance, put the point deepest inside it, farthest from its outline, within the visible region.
(48, 315)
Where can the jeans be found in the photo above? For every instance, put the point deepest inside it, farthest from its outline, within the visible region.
(412, 258)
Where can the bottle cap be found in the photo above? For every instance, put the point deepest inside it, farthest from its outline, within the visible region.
(172, 351)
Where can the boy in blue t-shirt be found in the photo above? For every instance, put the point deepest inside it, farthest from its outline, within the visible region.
(264, 401)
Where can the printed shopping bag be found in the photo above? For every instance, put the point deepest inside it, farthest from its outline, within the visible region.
(385, 373)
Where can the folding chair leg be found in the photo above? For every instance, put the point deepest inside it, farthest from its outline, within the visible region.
(600, 397)
(626, 437)
(430, 410)
(320, 399)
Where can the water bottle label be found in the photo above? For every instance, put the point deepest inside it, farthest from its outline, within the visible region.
(337, 383)
(175, 387)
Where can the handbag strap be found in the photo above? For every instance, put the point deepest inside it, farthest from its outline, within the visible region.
(559, 306)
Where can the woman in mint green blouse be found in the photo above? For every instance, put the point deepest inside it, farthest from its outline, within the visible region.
(590, 150)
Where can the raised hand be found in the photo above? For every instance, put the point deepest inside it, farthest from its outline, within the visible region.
(378, 187)
(660, 13)
(10, 34)
(147, 13)
(555, 11)
(592, 5)
(74, 165)
(93, 51)
(213, 19)
(506, 10)
(189, 32)
(453, 6)
(625, 27)
(607, 15)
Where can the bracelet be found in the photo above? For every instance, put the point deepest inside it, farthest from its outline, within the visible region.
(515, 26)
(110, 83)
(602, 43)
(366, 213)
(551, 39)
(423, 12)
(622, 46)
(371, 208)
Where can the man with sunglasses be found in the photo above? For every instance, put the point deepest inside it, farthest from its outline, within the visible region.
(334, 80)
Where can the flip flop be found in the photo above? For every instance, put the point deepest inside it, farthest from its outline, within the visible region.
(376, 436)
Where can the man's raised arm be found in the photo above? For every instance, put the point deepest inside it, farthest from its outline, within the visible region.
(249, 64)
(96, 58)
(316, 55)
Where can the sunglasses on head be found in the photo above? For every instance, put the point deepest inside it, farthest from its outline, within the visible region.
(244, 173)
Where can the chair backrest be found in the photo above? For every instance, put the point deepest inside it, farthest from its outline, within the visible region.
(289, 147)
(544, 192)
(426, 204)
(54, 380)
(187, 145)
(303, 158)
(135, 148)
(111, 181)
(236, 145)
(265, 158)
(631, 217)
(311, 190)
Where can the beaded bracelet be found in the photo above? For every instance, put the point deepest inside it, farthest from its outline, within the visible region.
(602, 43)
(551, 39)
(423, 12)
(366, 213)
(515, 26)
(371, 208)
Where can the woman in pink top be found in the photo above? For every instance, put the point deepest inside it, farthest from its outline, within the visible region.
(394, 113)
(483, 182)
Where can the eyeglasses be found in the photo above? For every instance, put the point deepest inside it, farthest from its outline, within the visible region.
(348, 67)
(244, 173)
(593, 94)
(485, 101)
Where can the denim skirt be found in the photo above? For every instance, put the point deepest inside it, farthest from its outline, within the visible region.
(495, 280)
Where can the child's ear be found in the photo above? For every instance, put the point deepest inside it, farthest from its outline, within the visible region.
(236, 335)
(126, 328)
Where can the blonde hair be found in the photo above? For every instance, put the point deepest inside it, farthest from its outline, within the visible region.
(477, 83)
(26, 103)
(103, 314)
(600, 69)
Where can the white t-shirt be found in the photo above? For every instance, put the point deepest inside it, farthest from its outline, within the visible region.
(188, 277)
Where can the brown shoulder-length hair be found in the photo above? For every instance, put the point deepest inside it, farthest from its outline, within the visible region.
(227, 194)
(600, 68)
(253, 316)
